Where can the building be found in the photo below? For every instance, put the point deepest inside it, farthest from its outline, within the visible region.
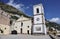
(4, 18)
(22, 25)
(25, 24)
(39, 19)
(4, 23)
(33, 25)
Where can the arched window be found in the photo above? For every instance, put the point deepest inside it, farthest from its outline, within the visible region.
(5, 28)
(28, 26)
(37, 10)
(21, 24)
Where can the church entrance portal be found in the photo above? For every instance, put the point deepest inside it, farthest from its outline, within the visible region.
(1, 31)
(14, 32)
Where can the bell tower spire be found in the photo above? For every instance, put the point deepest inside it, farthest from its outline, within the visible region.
(39, 19)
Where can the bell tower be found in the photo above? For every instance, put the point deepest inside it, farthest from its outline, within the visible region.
(39, 20)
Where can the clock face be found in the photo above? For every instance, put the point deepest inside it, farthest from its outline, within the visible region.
(37, 19)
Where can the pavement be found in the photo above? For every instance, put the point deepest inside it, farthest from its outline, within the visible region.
(24, 36)
(57, 37)
(54, 37)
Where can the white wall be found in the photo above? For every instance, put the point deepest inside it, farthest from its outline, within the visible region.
(41, 10)
(41, 22)
(40, 19)
(17, 26)
(25, 26)
(26, 22)
(38, 26)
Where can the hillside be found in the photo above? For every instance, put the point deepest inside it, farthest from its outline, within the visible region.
(52, 24)
(11, 9)
(12, 12)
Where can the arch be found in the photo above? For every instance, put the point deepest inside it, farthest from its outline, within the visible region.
(1, 31)
(14, 32)
(37, 10)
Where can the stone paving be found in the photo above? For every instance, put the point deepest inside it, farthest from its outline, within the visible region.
(24, 36)
(57, 37)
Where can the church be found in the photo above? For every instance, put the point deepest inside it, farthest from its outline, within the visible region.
(26, 24)
(31, 25)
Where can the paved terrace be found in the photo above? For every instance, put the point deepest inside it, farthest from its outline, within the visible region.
(24, 36)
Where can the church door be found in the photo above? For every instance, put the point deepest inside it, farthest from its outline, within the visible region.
(28, 31)
(21, 30)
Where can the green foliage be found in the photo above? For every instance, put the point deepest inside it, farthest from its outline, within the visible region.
(53, 24)
(14, 17)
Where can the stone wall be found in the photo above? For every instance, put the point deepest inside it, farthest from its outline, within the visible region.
(4, 19)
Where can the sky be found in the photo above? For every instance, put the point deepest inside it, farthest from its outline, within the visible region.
(51, 7)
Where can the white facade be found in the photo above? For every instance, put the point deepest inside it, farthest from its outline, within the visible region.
(39, 20)
(23, 25)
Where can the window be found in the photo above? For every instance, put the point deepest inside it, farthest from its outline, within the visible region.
(21, 24)
(28, 26)
(37, 19)
(1, 31)
(5, 28)
(38, 28)
(37, 10)
(21, 30)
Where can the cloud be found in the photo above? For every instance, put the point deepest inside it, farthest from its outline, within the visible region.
(18, 6)
(56, 20)
(27, 7)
